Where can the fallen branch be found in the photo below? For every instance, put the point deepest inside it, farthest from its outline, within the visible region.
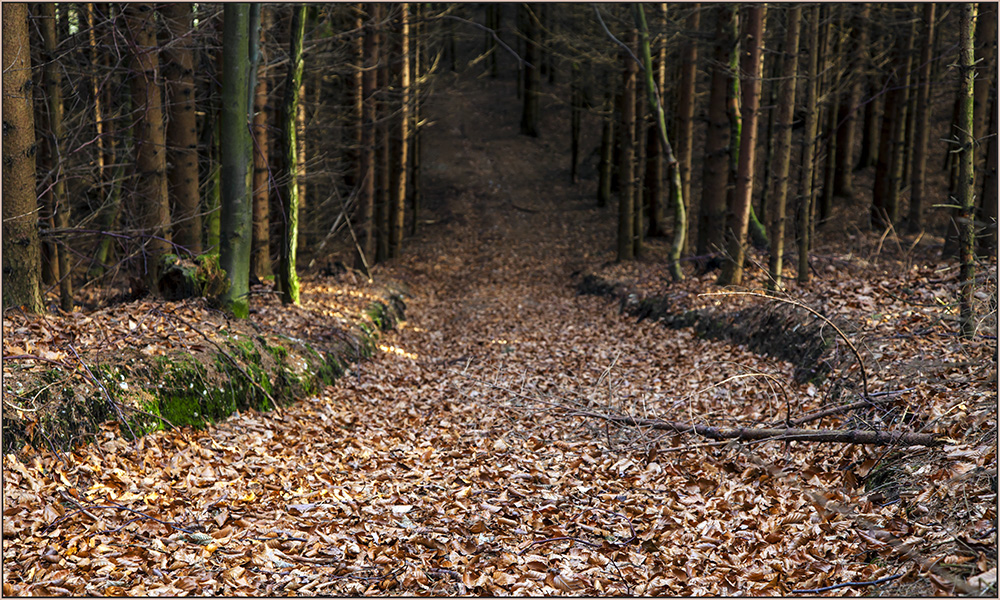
(836, 410)
(844, 436)
(848, 584)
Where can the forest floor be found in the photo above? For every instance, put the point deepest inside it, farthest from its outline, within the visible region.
(459, 460)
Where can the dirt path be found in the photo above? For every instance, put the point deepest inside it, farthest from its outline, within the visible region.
(449, 464)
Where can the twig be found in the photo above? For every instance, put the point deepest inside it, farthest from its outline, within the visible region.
(861, 364)
(33, 357)
(836, 410)
(140, 514)
(848, 584)
(274, 403)
(107, 396)
(558, 539)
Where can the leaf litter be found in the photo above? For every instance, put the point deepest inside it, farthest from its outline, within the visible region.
(452, 462)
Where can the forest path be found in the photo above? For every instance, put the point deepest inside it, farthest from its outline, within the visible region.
(449, 464)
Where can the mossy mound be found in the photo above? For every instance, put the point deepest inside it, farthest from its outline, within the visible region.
(249, 369)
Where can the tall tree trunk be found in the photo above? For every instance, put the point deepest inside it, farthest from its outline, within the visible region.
(712, 217)
(685, 108)
(575, 109)
(415, 153)
(150, 177)
(986, 80)
(182, 129)
(398, 208)
(806, 187)
(235, 223)
(988, 204)
(915, 222)
(751, 66)
(605, 168)
(964, 131)
(870, 127)
(366, 197)
(20, 224)
(834, 37)
(656, 106)
(57, 190)
(289, 192)
(383, 110)
(843, 183)
(529, 112)
(638, 197)
(885, 197)
(260, 253)
(627, 166)
(783, 151)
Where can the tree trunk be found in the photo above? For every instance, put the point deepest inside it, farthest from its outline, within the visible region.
(964, 132)
(398, 208)
(685, 108)
(289, 191)
(383, 109)
(656, 106)
(831, 55)
(366, 196)
(627, 165)
(988, 205)
(783, 149)
(915, 222)
(150, 177)
(986, 61)
(56, 192)
(607, 148)
(575, 109)
(870, 127)
(20, 223)
(806, 187)
(751, 66)
(415, 153)
(260, 252)
(638, 195)
(885, 198)
(712, 216)
(182, 129)
(529, 113)
(843, 183)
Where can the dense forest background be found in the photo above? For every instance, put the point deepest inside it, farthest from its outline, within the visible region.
(776, 122)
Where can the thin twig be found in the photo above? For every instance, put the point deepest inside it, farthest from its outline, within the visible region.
(848, 584)
(861, 364)
(557, 539)
(107, 396)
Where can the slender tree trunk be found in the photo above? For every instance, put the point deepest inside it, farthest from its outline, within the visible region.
(988, 205)
(638, 195)
(964, 132)
(712, 217)
(843, 183)
(57, 191)
(986, 61)
(529, 113)
(685, 109)
(260, 254)
(783, 151)
(366, 197)
(806, 187)
(289, 191)
(656, 106)
(751, 67)
(150, 177)
(415, 153)
(235, 223)
(383, 109)
(607, 147)
(769, 90)
(182, 129)
(398, 212)
(833, 44)
(20, 223)
(626, 168)
(575, 109)
(885, 199)
(870, 128)
(915, 222)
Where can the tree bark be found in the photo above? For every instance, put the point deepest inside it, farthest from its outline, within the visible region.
(843, 182)
(605, 168)
(915, 222)
(182, 129)
(712, 216)
(150, 177)
(964, 132)
(627, 165)
(289, 192)
(366, 196)
(783, 149)
(988, 206)
(529, 113)
(885, 197)
(383, 109)
(806, 187)
(20, 223)
(751, 67)
(832, 47)
(685, 108)
(56, 192)
(260, 252)
(398, 209)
